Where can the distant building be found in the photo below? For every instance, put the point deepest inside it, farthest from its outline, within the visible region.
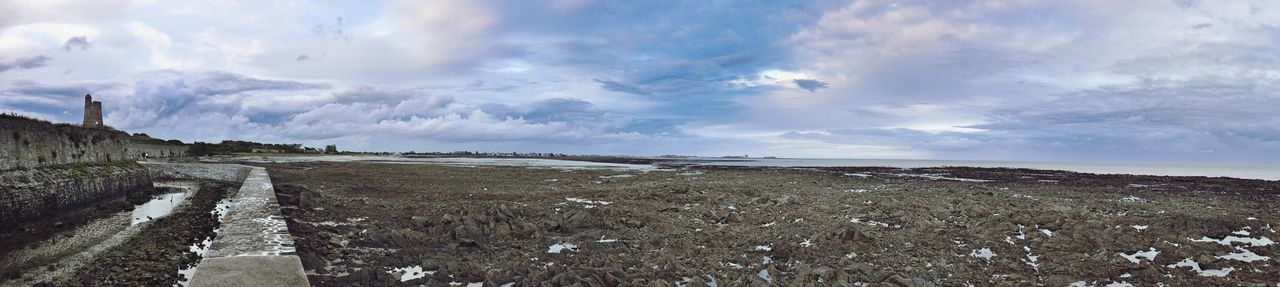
(92, 113)
(142, 146)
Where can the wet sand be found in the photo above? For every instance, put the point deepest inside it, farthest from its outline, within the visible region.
(379, 224)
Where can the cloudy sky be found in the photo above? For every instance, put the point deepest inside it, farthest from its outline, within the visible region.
(1088, 80)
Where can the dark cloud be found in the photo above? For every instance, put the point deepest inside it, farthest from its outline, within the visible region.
(620, 87)
(1202, 26)
(1204, 118)
(57, 101)
(166, 94)
(80, 42)
(809, 84)
(580, 112)
(302, 58)
(1201, 117)
(23, 63)
(32, 88)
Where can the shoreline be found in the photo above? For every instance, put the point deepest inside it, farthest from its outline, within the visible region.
(1266, 173)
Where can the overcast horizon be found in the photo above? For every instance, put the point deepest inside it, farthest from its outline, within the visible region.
(1021, 80)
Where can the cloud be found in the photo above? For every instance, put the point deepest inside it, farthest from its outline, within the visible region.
(967, 79)
(80, 42)
(212, 106)
(809, 84)
(32, 88)
(24, 63)
(165, 94)
(620, 87)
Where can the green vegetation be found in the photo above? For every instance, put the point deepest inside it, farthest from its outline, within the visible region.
(82, 169)
(230, 147)
(145, 138)
(84, 165)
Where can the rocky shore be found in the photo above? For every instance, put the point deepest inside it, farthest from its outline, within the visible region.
(372, 224)
(154, 255)
(102, 245)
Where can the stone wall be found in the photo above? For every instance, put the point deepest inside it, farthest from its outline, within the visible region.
(45, 191)
(141, 150)
(28, 143)
(209, 171)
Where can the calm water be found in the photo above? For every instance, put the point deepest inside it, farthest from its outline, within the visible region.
(1268, 172)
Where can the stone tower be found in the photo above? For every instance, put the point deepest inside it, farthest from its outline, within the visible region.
(92, 113)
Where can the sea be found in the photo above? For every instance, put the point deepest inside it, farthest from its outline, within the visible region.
(1246, 171)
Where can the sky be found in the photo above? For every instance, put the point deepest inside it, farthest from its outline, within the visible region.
(1086, 80)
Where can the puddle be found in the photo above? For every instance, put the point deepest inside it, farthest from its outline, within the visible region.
(199, 249)
(1206, 273)
(161, 205)
(202, 248)
(1245, 255)
(1228, 240)
(764, 274)
(562, 247)
(874, 223)
(984, 253)
(941, 177)
(410, 272)
(587, 203)
(1150, 255)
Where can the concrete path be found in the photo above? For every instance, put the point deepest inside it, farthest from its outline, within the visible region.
(253, 246)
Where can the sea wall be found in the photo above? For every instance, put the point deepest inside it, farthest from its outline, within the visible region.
(253, 246)
(142, 150)
(222, 172)
(36, 192)
(26, 143)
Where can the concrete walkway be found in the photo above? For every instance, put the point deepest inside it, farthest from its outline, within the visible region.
(253, 246)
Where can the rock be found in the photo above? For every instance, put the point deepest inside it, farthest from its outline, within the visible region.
(468, 234)
(501, 229)
(307, 199)
(1059, 280)
(898, 280)
(611, 281)
(420, 221)
(580, 219)
(733, 217)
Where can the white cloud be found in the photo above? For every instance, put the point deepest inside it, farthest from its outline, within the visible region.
(160, 44)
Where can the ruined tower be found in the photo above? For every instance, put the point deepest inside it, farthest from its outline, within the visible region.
(92, 113)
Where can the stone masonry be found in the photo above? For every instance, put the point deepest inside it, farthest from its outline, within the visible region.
(92, 113)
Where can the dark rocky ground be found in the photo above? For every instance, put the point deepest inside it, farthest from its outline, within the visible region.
(149, 254)
(495, 226)
(20, 236)
(153, 256)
